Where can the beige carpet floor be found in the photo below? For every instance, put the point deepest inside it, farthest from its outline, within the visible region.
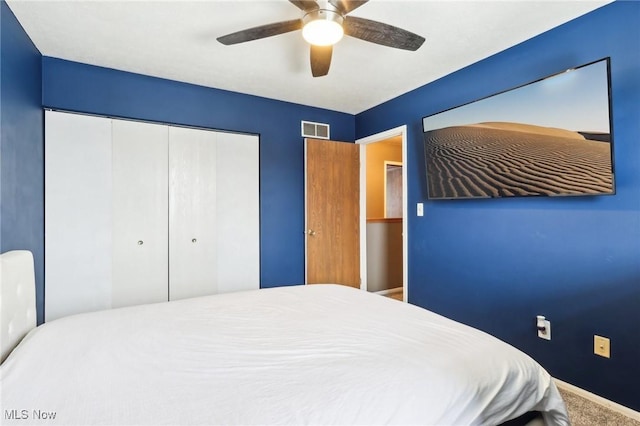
(583, 412)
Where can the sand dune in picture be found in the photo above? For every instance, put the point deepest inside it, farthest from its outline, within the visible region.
(512, 159)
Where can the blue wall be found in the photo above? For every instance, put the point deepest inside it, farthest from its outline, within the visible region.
(84, 88)
(495, 264)
(21, 146)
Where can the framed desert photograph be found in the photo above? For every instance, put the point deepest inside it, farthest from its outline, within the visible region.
(551, 137)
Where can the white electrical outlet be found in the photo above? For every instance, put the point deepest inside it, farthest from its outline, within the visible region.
(601, 346)
(544, 327)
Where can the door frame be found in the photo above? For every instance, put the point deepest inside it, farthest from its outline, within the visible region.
(378, 137)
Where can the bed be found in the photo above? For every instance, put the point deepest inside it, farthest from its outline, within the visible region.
(321, 354)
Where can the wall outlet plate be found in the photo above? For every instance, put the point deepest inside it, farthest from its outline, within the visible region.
(601, 346)
(546, 334)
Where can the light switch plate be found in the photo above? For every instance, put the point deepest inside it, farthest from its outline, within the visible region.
(420, 209)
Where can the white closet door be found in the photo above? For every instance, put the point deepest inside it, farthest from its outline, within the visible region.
(140, 213)
(238, 212)
(77, 214)
(192, 213)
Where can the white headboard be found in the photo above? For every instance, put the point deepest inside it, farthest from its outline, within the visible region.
(17, 299)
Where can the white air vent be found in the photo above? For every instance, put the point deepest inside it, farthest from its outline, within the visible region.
(314, 130)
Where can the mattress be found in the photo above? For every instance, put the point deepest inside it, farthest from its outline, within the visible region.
(321, 354)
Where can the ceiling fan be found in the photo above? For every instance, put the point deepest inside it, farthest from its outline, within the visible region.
(323, 24)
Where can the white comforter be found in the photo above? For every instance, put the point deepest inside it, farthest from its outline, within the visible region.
(321, 354)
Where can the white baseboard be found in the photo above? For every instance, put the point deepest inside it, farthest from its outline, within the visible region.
(390, 291)
(614, 406)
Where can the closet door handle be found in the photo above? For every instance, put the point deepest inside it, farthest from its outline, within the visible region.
(140, 242)
(194, 240)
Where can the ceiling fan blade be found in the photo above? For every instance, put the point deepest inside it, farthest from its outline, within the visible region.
(320, 60)
(379, 33)
(346, 6)
(305, 5)
(262, 31)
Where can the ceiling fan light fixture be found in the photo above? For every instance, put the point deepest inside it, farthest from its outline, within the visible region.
(323, 27)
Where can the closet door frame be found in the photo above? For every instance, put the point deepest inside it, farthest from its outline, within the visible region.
(96, 246)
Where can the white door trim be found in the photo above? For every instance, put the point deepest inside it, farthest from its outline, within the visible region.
(397, 131)
(306, 224)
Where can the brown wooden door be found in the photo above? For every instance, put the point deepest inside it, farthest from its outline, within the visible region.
(333, 212)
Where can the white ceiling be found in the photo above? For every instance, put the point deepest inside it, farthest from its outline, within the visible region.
(177, 40)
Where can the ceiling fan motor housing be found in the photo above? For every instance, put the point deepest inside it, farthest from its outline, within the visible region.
(323, 14)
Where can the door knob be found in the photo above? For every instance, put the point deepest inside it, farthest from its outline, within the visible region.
(311, 232)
